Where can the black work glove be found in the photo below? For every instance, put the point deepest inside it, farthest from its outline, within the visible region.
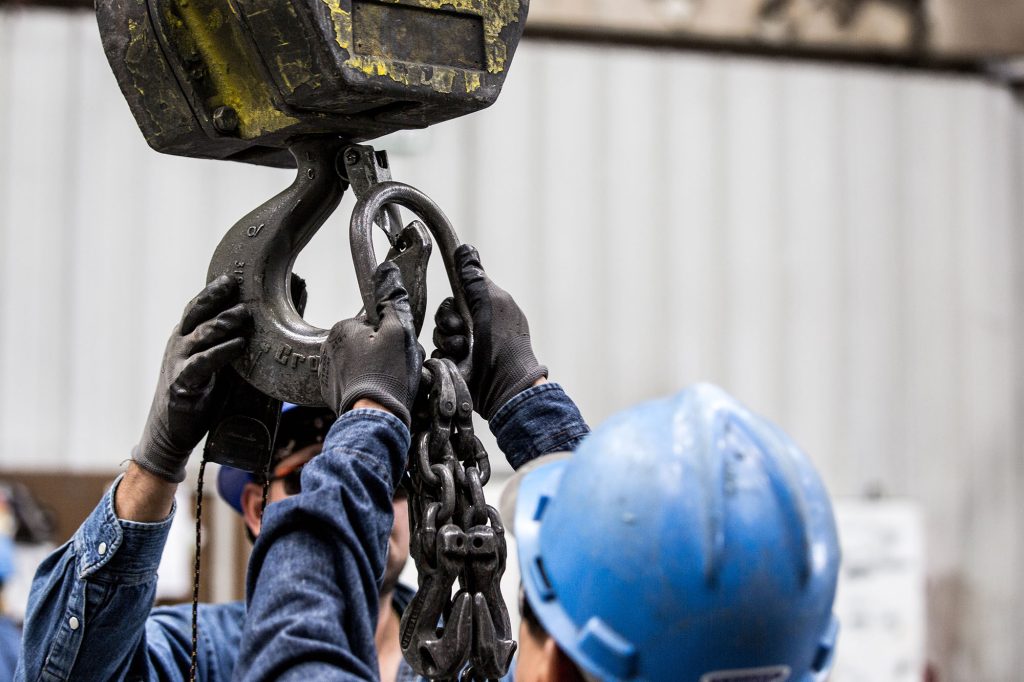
(210, 335)
(503, 359)
(382, 362)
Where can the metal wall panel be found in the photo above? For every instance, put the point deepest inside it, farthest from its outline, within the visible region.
(946, 30)
(839, 247)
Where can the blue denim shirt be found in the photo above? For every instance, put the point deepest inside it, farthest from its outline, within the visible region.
(10, 645)
(90, 614)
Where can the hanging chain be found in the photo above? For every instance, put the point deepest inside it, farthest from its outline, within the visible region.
(456, 535)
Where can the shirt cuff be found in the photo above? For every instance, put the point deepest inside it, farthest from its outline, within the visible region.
(114, 548)
(540, 420)
(381, 435)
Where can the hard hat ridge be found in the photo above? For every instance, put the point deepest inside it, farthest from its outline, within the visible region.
(741, 441)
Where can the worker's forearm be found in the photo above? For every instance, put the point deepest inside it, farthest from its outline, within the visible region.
(147, 498)
(86, 613)
(313, 574)
(143, 497)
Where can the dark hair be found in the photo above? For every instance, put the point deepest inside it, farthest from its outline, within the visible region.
(537, 631)
(529, 617)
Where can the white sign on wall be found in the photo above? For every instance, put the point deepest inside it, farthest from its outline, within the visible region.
(881, 597)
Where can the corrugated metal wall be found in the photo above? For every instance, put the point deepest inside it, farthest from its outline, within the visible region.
(839, 247)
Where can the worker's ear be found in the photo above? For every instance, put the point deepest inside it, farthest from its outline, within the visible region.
(252, 502)
(540, 659)
(564, 670)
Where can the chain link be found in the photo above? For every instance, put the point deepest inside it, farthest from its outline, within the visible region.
(456, 535)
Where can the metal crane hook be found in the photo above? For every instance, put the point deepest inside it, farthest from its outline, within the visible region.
(259, 251)
(283, 353)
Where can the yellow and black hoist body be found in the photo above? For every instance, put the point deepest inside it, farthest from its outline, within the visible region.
(237, 79)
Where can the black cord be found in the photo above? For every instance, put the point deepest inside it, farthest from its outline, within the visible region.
(266, 490)
(195, 576)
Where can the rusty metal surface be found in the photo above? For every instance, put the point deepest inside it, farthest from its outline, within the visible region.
(237, 79)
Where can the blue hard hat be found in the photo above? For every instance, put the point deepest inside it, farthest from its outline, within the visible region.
(686, 539)
(231, 481)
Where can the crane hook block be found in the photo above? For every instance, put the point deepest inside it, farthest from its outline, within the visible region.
(237, 79)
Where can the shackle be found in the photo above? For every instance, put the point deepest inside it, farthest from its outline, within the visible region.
(282, 356)
(365, 260)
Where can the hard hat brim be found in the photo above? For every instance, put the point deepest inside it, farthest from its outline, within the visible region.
(595, 648)
(230, 484)
(510, 493)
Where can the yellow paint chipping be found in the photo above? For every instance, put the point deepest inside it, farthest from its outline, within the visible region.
(296, 73)
(136, 38)
(342, 24)
(496, 16)
(237, 83)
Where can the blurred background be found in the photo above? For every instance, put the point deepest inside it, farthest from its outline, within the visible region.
(815, 205)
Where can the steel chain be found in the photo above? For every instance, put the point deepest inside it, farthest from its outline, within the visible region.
(455, 535)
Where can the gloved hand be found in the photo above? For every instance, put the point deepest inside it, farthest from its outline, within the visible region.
(503, 359)
(380, 363)
(209, 336)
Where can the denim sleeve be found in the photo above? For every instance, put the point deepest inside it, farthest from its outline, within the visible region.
(10, 645)
(312, 588)
(87, 610)
(540, 420)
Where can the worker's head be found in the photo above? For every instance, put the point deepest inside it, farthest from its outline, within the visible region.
(300, 437)
(687, 538)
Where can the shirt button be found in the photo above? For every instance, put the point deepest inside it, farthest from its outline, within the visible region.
(102, 549)
(73, 623)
